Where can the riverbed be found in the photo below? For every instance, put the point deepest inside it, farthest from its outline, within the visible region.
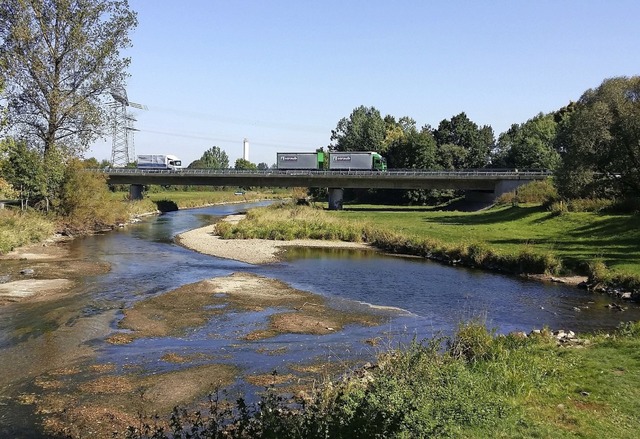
(144, 323)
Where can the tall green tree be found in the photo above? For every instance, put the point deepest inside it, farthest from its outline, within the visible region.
(363, 130)
(530, 145)
(476, 142)
(600, 142)
(413, 150)
(60, 58)
(23, 169)
(213, 158)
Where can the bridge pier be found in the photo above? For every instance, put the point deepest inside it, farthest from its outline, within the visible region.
(135, 191)
(335, 198)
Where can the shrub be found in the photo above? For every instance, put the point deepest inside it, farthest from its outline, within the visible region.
(472, 342)
(85, 203)
(539, 192)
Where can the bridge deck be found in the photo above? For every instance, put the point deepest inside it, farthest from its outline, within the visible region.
(393, 179)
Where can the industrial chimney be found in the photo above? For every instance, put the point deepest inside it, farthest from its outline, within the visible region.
(245, 149)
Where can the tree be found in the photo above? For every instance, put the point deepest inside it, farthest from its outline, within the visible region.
(600, 142)
(213, 158)
(476, 142)
(59, 59)
(242, 164)
(23, 170)
(529, 145)
(364, 130)
(413, 150)
(262, 166)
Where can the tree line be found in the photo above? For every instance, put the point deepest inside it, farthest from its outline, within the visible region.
(592, 144)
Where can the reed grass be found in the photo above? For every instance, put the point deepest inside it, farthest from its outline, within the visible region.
(19, 228)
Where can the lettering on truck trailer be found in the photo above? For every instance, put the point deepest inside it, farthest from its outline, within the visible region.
(342, 158)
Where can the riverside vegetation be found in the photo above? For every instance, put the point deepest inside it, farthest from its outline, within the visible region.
(472, 384)
(542, 237)
(83, 204)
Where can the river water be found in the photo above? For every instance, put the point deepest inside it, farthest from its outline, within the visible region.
(432, 298)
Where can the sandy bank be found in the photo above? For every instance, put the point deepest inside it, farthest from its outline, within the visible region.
(253, 251)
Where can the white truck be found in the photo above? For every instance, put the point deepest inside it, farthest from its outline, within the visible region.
(159, 162)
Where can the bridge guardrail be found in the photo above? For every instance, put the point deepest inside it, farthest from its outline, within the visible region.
(355, 173)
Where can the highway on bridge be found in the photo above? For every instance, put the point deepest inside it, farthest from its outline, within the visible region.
(484, 179)
(483, 184)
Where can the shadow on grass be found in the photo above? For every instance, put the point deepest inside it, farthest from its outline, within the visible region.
(488, 217)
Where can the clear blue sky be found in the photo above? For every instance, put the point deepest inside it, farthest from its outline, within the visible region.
(283, 73)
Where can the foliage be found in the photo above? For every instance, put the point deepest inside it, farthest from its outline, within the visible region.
(529, 145)
(22, 228)
(85, 203)
(242, 164)
(59, 59)
(536, 192)
(473, 143)
(600, 142)
(470, 384)
(213, 158)
(364, 130)
(36, 178)
(6, 190)
(413, 150)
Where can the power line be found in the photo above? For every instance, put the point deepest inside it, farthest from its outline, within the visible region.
(218, 139)
(244, 121)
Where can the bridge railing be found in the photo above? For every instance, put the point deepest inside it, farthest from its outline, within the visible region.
(297, 172)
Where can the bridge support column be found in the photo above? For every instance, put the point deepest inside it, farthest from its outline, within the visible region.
(335, 198)
(135, 191)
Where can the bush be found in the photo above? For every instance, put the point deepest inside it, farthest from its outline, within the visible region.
(85, 203)
(538, 192)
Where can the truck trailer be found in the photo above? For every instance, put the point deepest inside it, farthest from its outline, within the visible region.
(357, 160)
(300, 160)
(159, 162)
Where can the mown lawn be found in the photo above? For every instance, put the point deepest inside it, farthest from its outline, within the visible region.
(575, 237)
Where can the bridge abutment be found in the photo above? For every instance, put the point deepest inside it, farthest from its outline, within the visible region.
(336, 196)
(504, 186)
(135, 191)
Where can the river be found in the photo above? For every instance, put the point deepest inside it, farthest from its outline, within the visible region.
(39, 339)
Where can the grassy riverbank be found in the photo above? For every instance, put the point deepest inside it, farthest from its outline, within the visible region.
(470, 385)
(109, 209)
(18, 229)
(517, 239)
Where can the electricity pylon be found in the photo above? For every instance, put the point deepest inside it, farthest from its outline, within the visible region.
(122, 150)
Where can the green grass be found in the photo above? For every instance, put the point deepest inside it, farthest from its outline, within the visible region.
(159, 199)
(575, 237)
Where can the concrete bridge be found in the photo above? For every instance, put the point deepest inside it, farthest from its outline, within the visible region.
(480, 183)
